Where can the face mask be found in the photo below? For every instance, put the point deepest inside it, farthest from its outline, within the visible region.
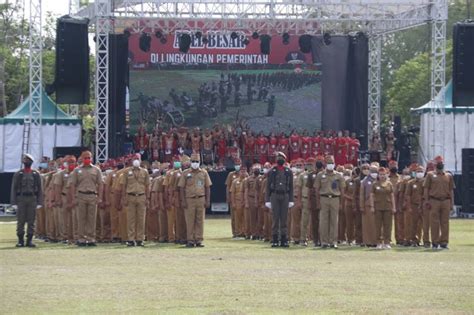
(195, 165)
(439, 166)
(87, 161)
(42, 165)
(420, 175)
(294, 169)
(177, 164)
(28, 164)
(237, 168)
(71, 167)
(136, 163)
(330, 167)
(65, 164)
(265, 170)
(365, 172)
(281, 162)
(373, 175)
(155, 170)
(319, 164)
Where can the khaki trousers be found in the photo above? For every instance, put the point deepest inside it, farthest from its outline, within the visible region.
(368, 227)
(350, 216)
(65, 219)
(163, 221)
(114, 219)
(171, 216)
(305, 219)
(426, 226)
(152, 225)
(440, 221)
(328, 220)
(296, 214)
(383, 226)
(267, 224)
(40, 220)
(239, 219)
(180, 224)
(341, 229)
(136, 214)
(400, 226)
(86, 217)
(195, 211)
(104, 216)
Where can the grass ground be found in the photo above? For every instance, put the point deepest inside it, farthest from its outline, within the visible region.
(236, 277)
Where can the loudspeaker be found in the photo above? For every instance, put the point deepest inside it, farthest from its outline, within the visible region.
(59, 152)
(72, 61)
(463, 64)
(468, 180)
(265, 44)
(305, 43)
(118, 82)
(184, 42)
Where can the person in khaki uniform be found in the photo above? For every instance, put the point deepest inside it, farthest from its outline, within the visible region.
(61, 200)
(251, 188)
(195, 189)
(119, 200)
(238, 203)
(163, 212)
(152, 224)
(295, 211)
(180, 215)
(85, 187)
(368, 217)
(430, 167)
(26, 196)
(329, 186)
(341, 218)
(364, 172)
(135, 184)
(439, 196)
(401, 206)
(349, 206)
(104, 226)
(228, 182)
(260, 205)
(267, 215)
(50, 208)
(382, 203)
(172, 196)
(110, 203)
(414, 199)
(314, 200)
(304, 198)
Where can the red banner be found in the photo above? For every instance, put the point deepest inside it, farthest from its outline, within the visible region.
(220, 48)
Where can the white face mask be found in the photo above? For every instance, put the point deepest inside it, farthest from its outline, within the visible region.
(330, 167)
(136, 163)
(420, 175)
(294, 170)
(155, 170)
(107, 172)
(195, 165)
(265, 170)
(65, 164)
(237, 168)
(373, 175)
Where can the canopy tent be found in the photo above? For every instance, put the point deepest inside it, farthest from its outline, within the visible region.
(58, 130)
(458, 125)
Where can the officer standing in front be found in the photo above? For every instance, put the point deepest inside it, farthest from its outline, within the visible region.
(195, 191)
(329, 186)
(26, 196)
(278, 198)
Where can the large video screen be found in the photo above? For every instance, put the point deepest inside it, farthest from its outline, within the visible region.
(223, 79)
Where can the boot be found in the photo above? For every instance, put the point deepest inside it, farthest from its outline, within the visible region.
(21, 241)
(275, 241)
(284, 241)
(29, 241)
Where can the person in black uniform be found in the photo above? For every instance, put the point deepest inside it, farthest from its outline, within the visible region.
(278, 198)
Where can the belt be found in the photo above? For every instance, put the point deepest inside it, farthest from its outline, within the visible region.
(195, 197)
(439, 199)
(87, 192)
(136, 195)
(305, 197)
(64, 194)
(330, 196)
(26, 194)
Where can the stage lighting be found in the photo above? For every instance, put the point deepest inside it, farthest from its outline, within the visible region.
(327, 39)
(286, 38)
(265, 44)
(305, 43)
(158, 34)
(184, 42)
(163, 40)
(198, 34)
(233, 35)
(205, 40)
(246, 41)
(255, 35)
(145, 42)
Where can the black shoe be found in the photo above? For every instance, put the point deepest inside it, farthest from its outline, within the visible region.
(444, 246)
(29, 241)
(297, 242)
(275, 241)
(140, 243)
(325, 246)
(199, 245)
(81, 244)
(435, 246)
(426, 245)
(334, 246)
(189, 245)
(92, 244)
(284, 241)
(130, 243)
(304, 243)
(21, 241)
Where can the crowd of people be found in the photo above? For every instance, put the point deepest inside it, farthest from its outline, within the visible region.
(220, 144)
(281, 201)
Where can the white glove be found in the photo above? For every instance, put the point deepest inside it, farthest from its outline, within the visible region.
(291, 204)
(15, 207)
(39, 206)
(268, 205)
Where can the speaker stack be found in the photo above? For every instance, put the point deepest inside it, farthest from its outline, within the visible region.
(463, 64)
(467, 187)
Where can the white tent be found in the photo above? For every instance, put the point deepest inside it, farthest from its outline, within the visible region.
(58, 130)
(457, 124)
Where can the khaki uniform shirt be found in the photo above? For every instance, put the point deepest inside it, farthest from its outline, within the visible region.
(86, 179)
(135, 180)
(237, 191)
(302, 184)
(414, 192)
(195, 182)
(330, 183)
(439, 185)
(383, 192)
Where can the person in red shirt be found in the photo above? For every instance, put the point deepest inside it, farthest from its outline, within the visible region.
(353, 153)
(272, 147)
(249, 147)
(306, 148)
(141, 141)
(283, 144)
(328, 144)
(221, 148)
(340, 155)
(262, 148)
(295, 146)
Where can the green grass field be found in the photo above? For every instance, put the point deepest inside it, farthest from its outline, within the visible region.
(236, 277)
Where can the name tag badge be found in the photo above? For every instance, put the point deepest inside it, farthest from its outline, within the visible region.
(414, 186)
(377, 187)
(324, 176)
(130, 173)
(314, 175)
(79, 171)
(350, 184)
(66, 175)
(305, 177)
(434, 176)
(370, 183)
(113, 175)
(189, 176)
(200, 183)
(179, 174)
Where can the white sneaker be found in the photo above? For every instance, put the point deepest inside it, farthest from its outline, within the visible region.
(387, 246)
(379, 246)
